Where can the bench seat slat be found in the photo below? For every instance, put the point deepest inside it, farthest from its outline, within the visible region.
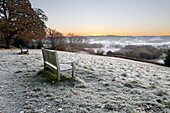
(63, 67)
(24, 50)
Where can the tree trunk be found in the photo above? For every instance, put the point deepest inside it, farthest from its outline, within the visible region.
(8, 42)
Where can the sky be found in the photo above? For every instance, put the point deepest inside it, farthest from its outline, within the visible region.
(107, 17)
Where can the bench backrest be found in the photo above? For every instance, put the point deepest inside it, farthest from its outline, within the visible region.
(50, 56)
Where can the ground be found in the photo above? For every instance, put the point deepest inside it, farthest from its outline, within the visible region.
(102, 84)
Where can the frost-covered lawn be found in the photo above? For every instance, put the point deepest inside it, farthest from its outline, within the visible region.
(103, 84)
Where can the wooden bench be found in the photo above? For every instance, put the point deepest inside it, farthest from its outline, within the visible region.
(51, 61)
(23, 49)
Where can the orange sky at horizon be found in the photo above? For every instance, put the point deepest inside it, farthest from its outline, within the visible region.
(115, 33)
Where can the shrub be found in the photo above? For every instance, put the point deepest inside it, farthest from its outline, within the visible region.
(100, 52)
(114, 53)
(109, 53)
(145, 55)
(90, 51)
(167, 58)
(61, 46)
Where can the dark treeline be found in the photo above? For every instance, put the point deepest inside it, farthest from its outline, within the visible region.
(142, 52)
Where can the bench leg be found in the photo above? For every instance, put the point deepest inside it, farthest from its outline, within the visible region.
(73, 69)
(58, 75)
(44, 65)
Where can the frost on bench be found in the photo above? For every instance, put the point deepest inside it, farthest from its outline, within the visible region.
(51, 61)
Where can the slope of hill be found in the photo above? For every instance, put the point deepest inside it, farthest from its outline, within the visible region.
(103, 84)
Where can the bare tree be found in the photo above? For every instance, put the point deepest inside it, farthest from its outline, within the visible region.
(77, 42)
(54, 37)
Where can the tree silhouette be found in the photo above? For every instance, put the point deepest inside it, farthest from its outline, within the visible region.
(61, 45)
(77, 42)
(54, 37)
(19, 19)
(167, 58)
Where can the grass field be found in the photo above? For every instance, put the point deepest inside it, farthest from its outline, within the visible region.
(102, 84)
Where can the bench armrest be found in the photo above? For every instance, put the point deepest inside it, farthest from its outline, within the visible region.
(67, 62)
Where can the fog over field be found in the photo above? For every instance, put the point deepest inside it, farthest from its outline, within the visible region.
(110, 41)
